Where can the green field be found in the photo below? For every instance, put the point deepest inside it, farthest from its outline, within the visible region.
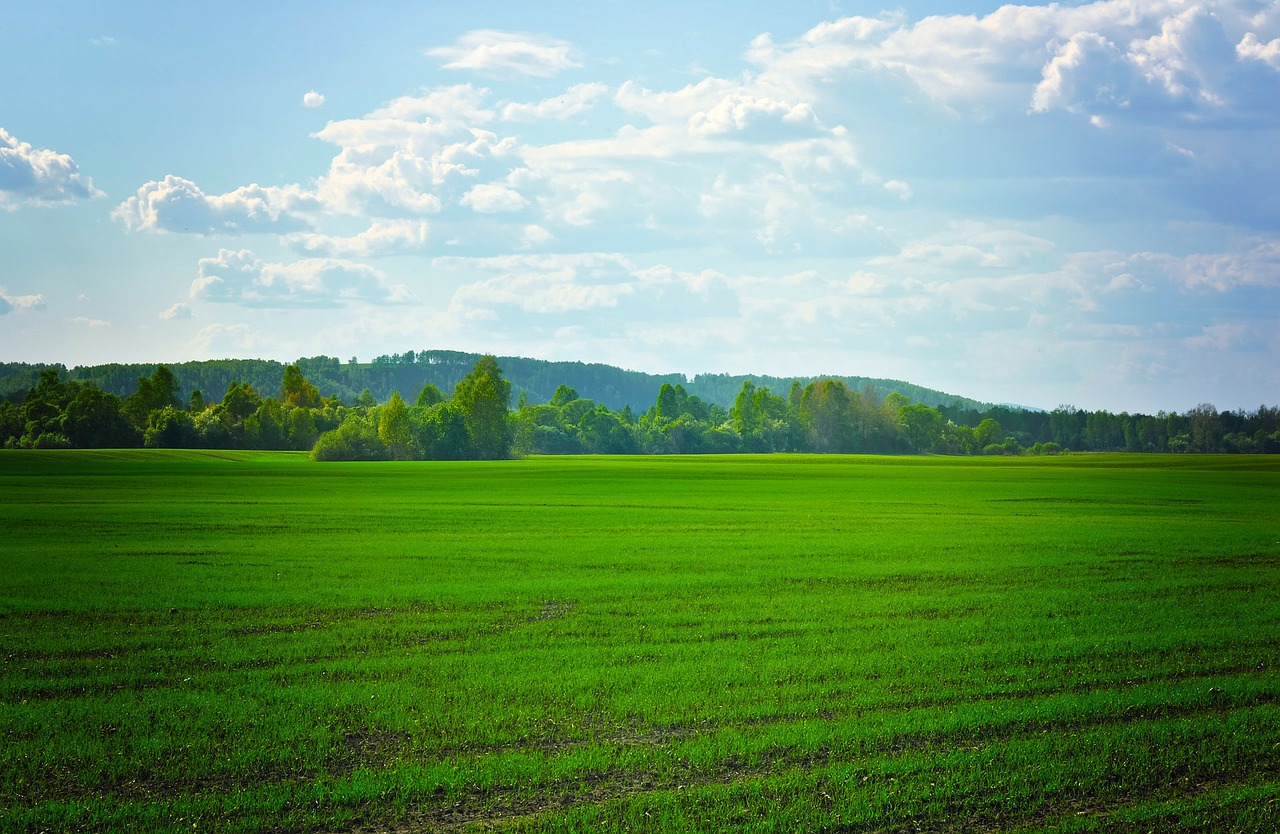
(250, 641)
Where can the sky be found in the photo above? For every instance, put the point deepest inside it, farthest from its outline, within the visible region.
(1071, 203)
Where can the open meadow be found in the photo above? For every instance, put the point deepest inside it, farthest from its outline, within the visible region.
(253, 641)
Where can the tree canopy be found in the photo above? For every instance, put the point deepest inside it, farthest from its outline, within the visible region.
(477, 421)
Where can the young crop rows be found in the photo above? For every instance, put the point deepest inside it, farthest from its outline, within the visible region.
(237, 641)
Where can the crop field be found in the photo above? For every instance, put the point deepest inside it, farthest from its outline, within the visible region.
(253, 641)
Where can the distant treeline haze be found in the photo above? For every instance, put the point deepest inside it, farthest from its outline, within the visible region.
(87, 409)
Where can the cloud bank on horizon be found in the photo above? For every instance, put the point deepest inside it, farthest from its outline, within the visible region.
(1040, 204)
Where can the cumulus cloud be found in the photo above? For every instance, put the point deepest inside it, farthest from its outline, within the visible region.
(1220, 337)
(1250, 48)
(312, 99)
(590, 289)
(416, 156)
(1115, 56)
(240, 277)
(533, 235)
(175, 204)
(39, 176)
(1080, 74)
(969, 246)
(1246, 262)
(9, 303)
(383, 237)
(720, 107)
(177, 311)
(577, 99)
(491, 197)
(507, 53)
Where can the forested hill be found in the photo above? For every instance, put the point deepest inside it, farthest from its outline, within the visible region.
(409, 372)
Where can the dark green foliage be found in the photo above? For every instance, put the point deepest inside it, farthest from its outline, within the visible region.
(603, 433)
(241, 400)
(923, 426)
(355, 439)
(170, 428)
(265, 427)
(156, 392)
(302, 429)
(44, 405)
(484, 398)
(440, 432)
(394, 429)
(95, 419)
(429, 395)
(12, 422)
(298, 391)
(824, 415)
(563, 396)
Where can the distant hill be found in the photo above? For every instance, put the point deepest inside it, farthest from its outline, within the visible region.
(408, 373)
(723, 388)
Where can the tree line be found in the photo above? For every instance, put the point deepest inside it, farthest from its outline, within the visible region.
(536, 379)
(477, 421)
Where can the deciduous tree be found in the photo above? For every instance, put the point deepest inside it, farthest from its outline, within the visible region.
(484, 397)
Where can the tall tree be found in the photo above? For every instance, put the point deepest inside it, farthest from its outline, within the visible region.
(429, 395)
(298, 391)
(746, 412)
(484, 398)
(923, 427)
(827, 410)
(95, 419)
(393, 428)
(563, 396)
(160, 390)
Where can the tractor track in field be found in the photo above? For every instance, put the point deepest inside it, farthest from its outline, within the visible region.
(988, 818)
(175, 672)
(381, 750)
(499, 806)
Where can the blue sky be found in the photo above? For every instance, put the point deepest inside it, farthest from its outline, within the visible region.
(1069, 203)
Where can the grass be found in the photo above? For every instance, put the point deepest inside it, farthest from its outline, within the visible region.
(244, 641)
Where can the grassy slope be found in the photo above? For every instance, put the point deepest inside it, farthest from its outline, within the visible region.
(783, 643)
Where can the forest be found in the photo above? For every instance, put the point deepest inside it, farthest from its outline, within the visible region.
(476, 418)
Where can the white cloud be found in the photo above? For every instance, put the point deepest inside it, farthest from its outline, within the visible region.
(240, 277)
(507, 53)
(313, 99)
(1246, 262)
(968, 246)
(1080, 73)
(175, 204)
(39, 176)
(577, 99)
(1250, 48)
(216, 341)
(1112, 55)
(1220, 337)
(491, 197)
(418, 155)
(596, 290)
(533, 235)
(86, 321)
(177, 311)
(22, 303)
(383, 237)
